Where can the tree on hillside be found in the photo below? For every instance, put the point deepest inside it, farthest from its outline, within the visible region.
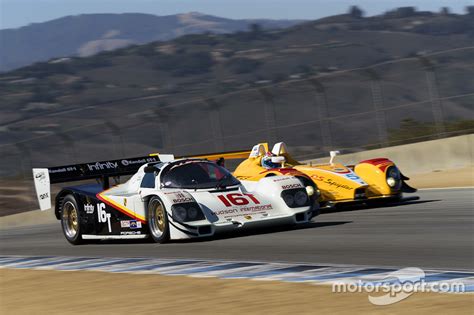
(355, 12)
(256, 30)
(445, 11)
(470, 9)
(402, 12)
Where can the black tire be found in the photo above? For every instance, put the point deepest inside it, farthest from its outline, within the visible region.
(70, 220)
(157, 217)
(313, 199)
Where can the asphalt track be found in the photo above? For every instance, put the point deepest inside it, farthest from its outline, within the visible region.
(436, 231)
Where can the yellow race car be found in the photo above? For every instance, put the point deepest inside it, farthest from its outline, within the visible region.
(369, 181)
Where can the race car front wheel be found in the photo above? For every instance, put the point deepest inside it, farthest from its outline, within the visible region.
(70, 220)
(158, 220)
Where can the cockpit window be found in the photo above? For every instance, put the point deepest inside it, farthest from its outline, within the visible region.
(148, 180)
(198, 175)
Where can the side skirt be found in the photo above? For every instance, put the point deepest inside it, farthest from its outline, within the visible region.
(112, 237)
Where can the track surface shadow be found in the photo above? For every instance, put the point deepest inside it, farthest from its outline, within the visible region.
(375, 206)
(236, 233)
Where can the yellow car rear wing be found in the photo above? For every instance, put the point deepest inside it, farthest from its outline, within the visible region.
(230, 155)
(234, 155)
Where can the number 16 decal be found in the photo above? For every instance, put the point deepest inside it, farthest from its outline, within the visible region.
(237, 199)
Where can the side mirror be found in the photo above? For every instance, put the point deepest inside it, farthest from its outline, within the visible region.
(149, 169)
(333, 154)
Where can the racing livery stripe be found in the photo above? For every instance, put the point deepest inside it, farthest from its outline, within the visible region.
(184, 231)
(120, 207)
(311, 273)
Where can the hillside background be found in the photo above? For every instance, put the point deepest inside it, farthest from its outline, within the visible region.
(345, 82)
(87, 34)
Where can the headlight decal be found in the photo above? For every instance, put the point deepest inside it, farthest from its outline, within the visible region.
(295, 198)
(301, 198)
(187, 212)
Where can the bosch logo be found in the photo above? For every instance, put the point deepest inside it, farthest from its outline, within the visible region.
(183, 200)
(291, 186)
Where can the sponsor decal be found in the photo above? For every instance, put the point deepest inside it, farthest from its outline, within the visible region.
(139, 161)
(44, 196)
(248, 217)
(101, 166)
(338, 185)
(355, 178)
(89, 208)
(330, 182)
(243, 177)
(41, 177)
(125, 202)
(182, 198)
(243, 210)
(254, 151)
(132, 224)
(135, 224)
(102, 216)
(292, 186)
(225, 211)
(256, 208)
(62, 170)
(130, 233)
(282, 178)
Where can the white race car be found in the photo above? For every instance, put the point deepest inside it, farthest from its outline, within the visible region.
(168, 199)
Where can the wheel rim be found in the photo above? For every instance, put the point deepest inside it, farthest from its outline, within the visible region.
(157, 218)
(70, 220)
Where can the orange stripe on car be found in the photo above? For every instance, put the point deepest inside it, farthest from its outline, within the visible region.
(119, 207)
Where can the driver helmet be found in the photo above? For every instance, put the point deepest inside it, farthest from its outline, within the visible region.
(267, 161)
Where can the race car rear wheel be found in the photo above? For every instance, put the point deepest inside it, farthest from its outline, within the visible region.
(158, 220)
(70, 220)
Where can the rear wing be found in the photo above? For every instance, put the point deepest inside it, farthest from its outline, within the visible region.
(102, 170)
(226, 155)
(229, 155)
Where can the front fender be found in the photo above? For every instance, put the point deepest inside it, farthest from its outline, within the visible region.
(273, 185)
(374, 173)
(169, 198)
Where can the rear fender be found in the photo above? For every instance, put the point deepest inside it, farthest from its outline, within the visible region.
(59, 200)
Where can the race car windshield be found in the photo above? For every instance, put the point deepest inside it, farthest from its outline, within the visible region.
(198, 175)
